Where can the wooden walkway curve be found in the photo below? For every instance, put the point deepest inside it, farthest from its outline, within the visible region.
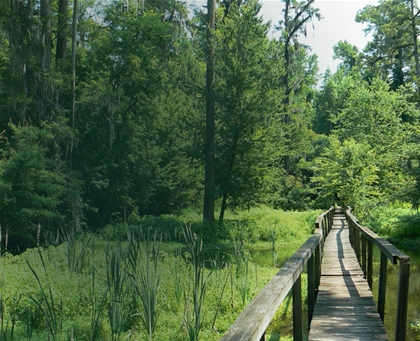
(345, 308)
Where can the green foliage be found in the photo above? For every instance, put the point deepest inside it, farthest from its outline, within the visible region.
(125, 278)
(398, 223)
(362, 165)
(33, 184)
(415, 326)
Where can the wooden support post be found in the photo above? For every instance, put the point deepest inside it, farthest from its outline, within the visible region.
(311, 287)
(297, 310)
(318, 252)
(382, 285)
(370, 264)
(357, 244)
(364, 254)
(403, 282)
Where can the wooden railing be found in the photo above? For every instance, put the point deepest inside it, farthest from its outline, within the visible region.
(254, 320)
(362, 240)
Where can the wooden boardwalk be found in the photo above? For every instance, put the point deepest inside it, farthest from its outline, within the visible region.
(344, 309)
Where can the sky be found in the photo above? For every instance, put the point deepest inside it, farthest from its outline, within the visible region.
(338, 23)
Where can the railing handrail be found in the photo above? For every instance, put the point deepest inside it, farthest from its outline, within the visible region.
(392, 253)
(388, 252)
(252, 323)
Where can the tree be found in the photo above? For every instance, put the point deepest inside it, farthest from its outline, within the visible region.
(296, 15)
(209, 149)
(365, 163)
(33, 184)
(393, 53)
(243, 101)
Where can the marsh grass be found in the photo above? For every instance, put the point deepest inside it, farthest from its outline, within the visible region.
(116, 277)
(98, 300)
(146, 276)
(77, 249)
(176, 269)
(46, 303)
(193, 324)
(190, 293)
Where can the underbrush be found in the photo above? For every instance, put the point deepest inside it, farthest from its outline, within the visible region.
(397, 223)
(145, 281)
(253, 226)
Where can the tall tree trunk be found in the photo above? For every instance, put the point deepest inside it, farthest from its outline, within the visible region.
(46, 34)
(73, 79)
(414, 35)
(63, 10)
(229, 175)
(208, 207)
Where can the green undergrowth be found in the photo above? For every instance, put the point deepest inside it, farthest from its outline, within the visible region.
(253, 226)
(148, 285)
(398, 223)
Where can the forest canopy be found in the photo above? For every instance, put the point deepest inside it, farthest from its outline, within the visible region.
(103, 112)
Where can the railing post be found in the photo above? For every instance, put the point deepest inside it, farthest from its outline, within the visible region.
(364, 254)
(403, 282)
(331, 215)
(370, 264)
(357, 244)
(311, 287)
(297, 310)
(350, 223)
(318, 252)
(382, 285)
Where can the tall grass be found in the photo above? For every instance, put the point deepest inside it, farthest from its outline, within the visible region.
(116, 278)
(46, 303)
(77, 249)
(98, 301)
(273, 237)
(146, 277)
(193, 324)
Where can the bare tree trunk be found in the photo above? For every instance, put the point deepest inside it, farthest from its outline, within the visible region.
(73, 78)
(414, 35)
(63, 9)
(46, 34)
(208, 209)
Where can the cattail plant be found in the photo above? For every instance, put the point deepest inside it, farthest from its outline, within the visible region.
(146, 275)
(46, 303)
(176, 268)
(116, 278)
(98, 302)
(199, 285)
(273, 237)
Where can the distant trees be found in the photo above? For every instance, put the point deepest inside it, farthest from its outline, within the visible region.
(368, 110)
(152, 109)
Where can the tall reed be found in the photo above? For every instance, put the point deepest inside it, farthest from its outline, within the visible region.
(77, 249)
(46, 303)
(116, 278)
(176, 268)
(273, 237)
(199, 285)
(98, 301)
(146, 277)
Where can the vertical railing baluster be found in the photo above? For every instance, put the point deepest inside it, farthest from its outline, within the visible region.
(364, 255)
(311, 287)
(402, 305)
(318, 254)
(357, 244)
(382, 285)
(370, 264)
(297, 310)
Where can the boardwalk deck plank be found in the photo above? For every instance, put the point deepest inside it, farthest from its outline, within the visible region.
(345, 309)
